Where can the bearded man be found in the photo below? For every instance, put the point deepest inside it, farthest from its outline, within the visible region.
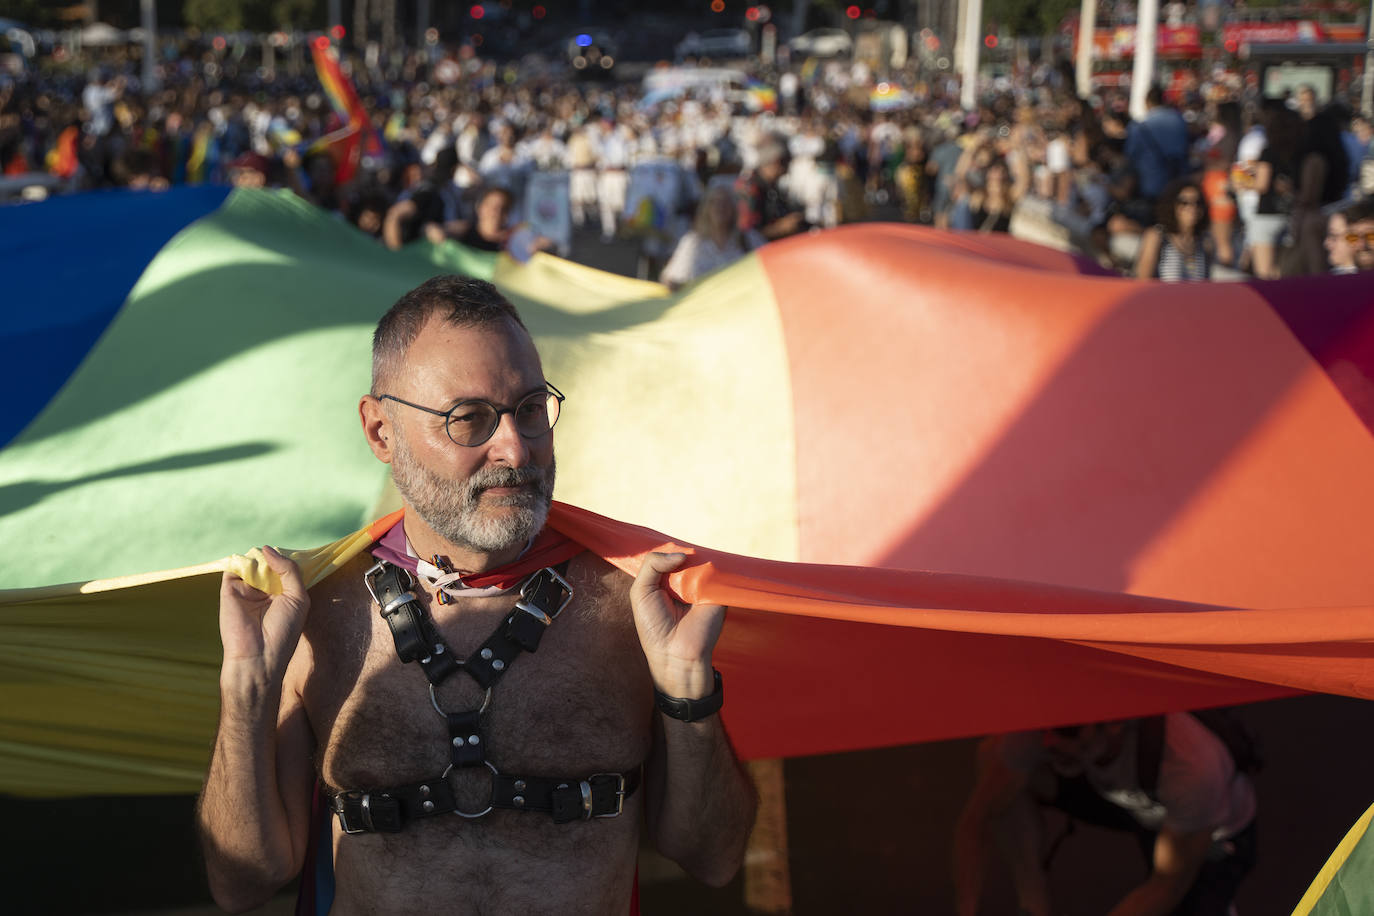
(488, 710)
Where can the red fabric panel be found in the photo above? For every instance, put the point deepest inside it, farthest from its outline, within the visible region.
(984, 407)
(827, 658)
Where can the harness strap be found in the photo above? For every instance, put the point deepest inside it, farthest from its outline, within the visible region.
(566, 799)
(542, 598)
(391, 586)
(466, 747)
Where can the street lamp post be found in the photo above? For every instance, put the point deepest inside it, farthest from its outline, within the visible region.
(1367, 96)
(1087, 31)
(968, 54)
(1143, 73)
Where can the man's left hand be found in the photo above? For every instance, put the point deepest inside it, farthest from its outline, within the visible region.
(677, 640)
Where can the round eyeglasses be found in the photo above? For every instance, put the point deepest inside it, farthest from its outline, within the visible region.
(471, 423)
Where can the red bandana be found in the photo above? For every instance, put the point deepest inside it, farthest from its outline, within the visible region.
(549, 549)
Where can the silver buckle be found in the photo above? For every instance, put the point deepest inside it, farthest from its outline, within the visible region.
(537, 613)
(373, 570)
(619, 795)
(400, 600)
(342, 811)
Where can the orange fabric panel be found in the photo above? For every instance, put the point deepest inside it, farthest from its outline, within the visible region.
(1173, 440)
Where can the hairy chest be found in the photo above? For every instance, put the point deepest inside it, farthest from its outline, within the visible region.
(580, 704)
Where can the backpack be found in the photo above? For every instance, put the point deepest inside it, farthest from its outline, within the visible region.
(1240, 743)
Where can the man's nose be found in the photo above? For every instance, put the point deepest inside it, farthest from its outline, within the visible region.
(506, 444)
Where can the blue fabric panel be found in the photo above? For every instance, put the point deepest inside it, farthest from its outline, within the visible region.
(66, 266)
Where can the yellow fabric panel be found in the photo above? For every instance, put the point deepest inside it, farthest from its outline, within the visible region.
(670, 393)
(111, 686)
(111, 691)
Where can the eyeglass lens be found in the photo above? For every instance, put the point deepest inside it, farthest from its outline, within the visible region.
(1354, 238)
(475, 422)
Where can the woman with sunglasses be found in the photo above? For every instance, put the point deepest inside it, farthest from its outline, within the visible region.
(1178, 247)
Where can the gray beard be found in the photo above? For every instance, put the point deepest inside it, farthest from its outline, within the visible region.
(453, 510)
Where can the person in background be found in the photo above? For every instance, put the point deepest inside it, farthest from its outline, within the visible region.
(1360, 234)
(764, 206)
(1176, 248)
(490, 229)
(1244, 182)
(1340, 253)
(1218, 156)
(1157, 145)
(1362, 155)
(941, 166)
(990, 207)
(713, 242)
(1192, 814)
(1276, 178)
(910, 176)
(432, 207)
(1323, 177)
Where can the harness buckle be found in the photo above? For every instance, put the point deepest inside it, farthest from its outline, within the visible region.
(399, 601)
(383, 817)
(530, 587)
(587, 795)
(341, 809)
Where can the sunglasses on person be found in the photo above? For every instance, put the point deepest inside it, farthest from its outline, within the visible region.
(1188, 202)
(1355, 238)
(471, 423)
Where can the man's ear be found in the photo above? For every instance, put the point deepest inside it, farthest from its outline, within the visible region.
(376, 427)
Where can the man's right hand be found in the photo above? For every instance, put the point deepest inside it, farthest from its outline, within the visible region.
(261, 629)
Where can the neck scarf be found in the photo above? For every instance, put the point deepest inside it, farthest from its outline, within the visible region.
(548, 548)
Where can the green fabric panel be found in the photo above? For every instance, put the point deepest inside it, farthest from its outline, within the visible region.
(1351, 891)
(218, 411)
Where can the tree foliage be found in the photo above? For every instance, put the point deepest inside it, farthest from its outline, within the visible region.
(213, 15)
(1027, 17)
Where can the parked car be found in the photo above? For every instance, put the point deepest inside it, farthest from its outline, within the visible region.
(822, 43)
(715, 43)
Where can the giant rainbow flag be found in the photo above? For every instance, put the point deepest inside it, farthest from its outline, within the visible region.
(948, 484)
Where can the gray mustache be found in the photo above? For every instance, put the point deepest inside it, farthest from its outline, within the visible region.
(505, 477)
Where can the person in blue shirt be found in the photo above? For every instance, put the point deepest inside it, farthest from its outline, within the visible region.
(1157, 145)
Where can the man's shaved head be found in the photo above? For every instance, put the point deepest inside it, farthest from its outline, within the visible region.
(460, 301)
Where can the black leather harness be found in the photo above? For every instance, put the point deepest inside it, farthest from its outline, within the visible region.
(543, 596)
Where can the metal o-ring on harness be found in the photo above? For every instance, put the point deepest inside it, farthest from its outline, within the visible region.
(434, 701)
(488, 809)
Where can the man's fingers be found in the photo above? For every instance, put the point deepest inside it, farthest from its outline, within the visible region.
(292, 583)
(655, 566)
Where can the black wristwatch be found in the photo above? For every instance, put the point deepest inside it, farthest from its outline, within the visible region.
(691, 710)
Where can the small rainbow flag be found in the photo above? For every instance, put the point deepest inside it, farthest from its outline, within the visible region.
(762, 97)
(888, 97)
(347, 143)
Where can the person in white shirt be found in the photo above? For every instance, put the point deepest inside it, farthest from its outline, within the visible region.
(1171, 781)
(613, 180)
(713, 242)
(581, 152)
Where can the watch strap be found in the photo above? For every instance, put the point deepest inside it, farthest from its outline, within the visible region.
(691, 710)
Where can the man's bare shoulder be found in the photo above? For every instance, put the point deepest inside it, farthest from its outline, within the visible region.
(603, 591)
(343, 586)
(338, 616)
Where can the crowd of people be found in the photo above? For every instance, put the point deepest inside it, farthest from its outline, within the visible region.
(1213, 183)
